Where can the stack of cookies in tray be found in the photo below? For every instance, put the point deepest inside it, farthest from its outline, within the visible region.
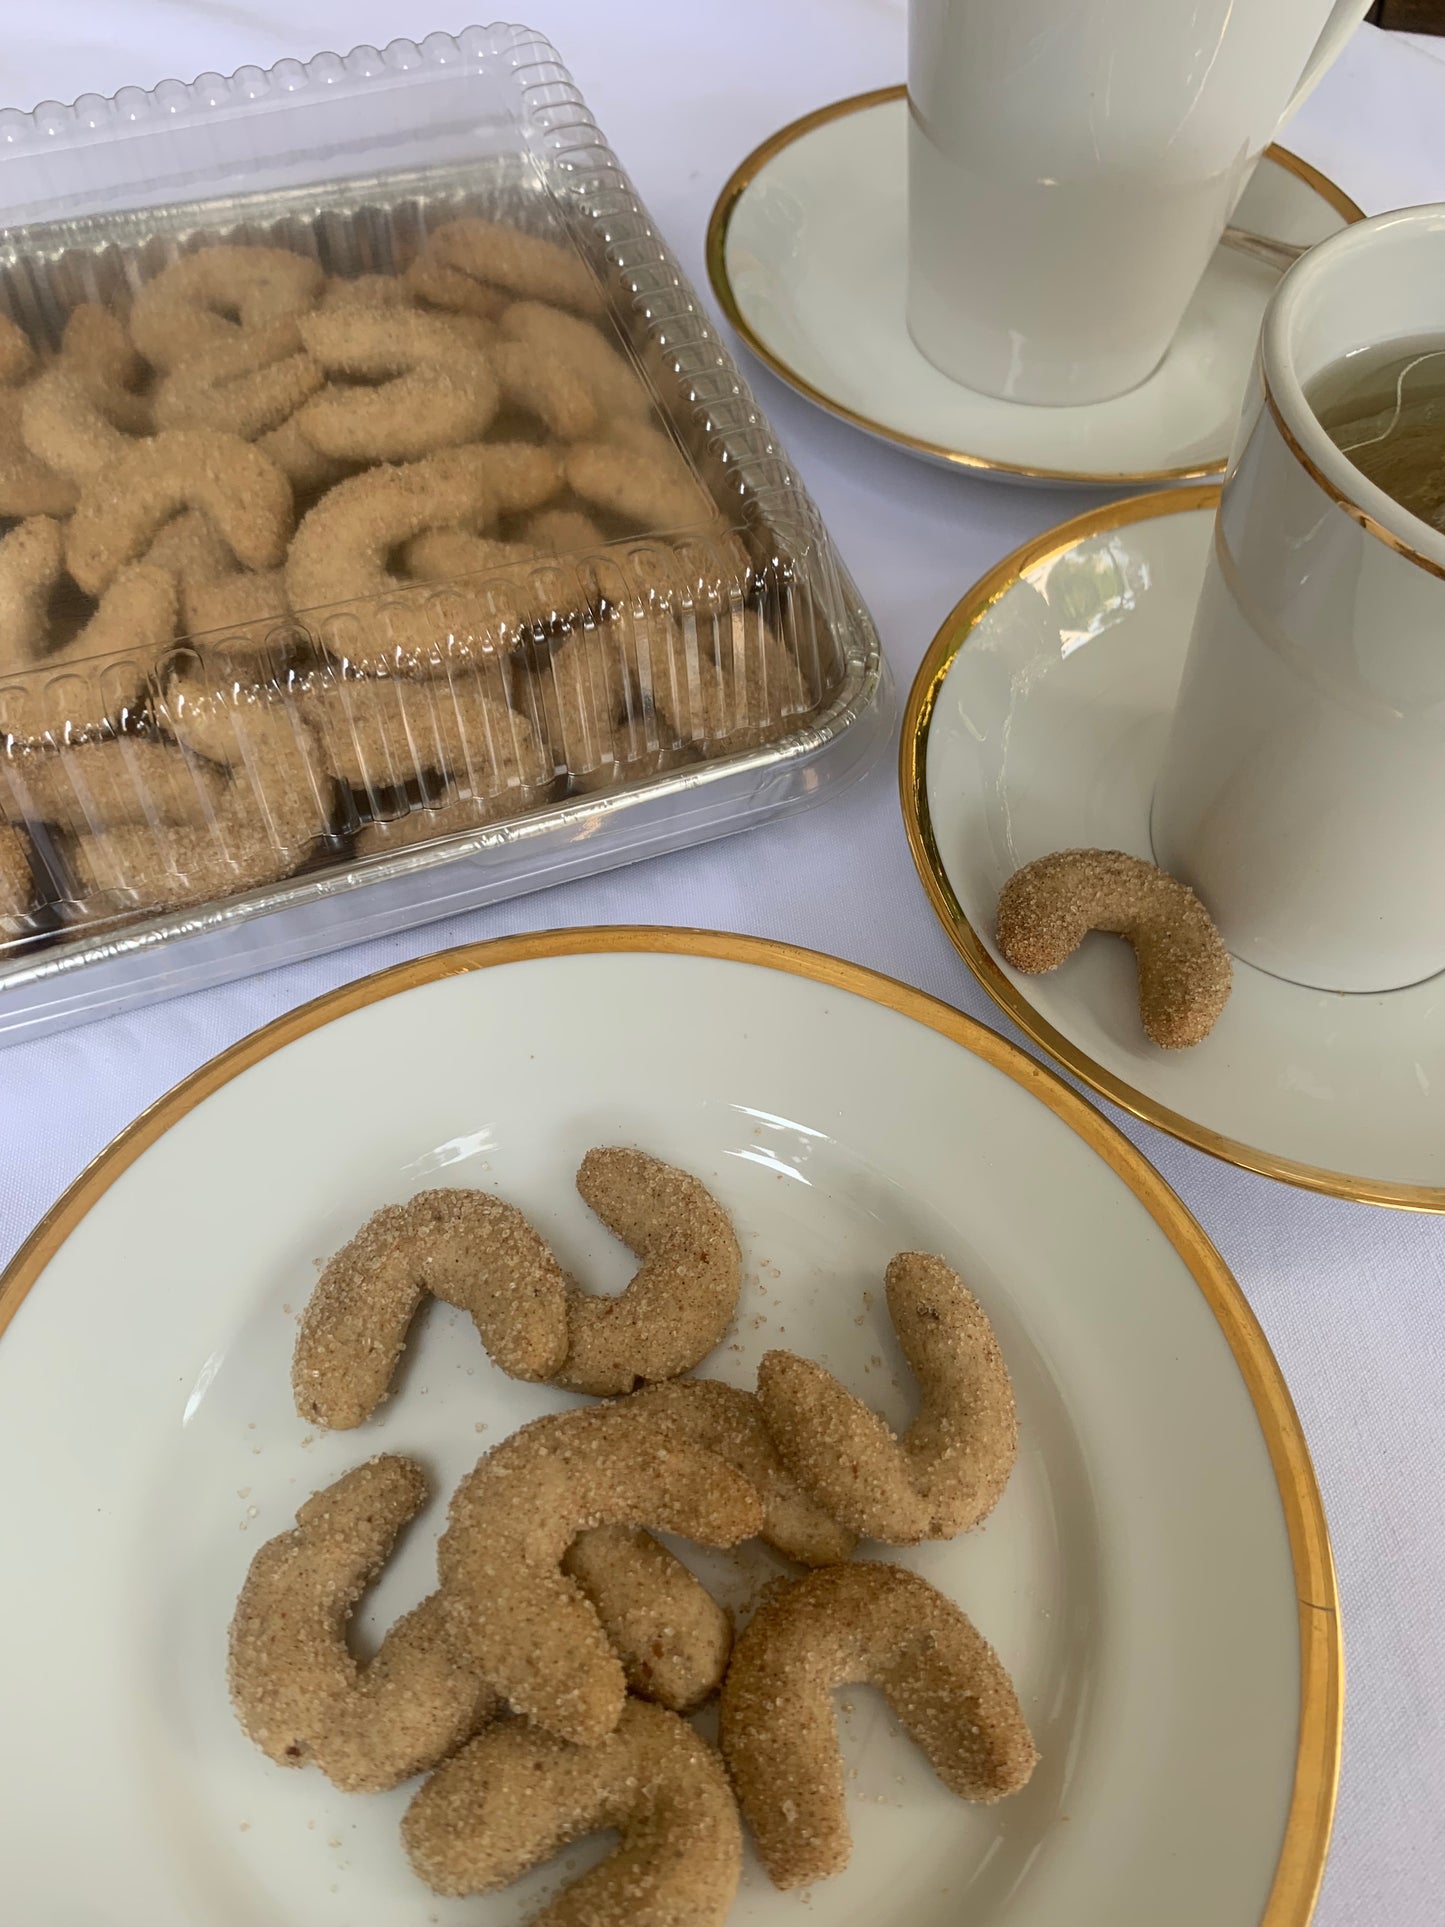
(296, 566)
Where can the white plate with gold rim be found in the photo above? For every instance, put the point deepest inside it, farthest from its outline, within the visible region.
(1036, 723)
(1167, 1613)
(806, 252)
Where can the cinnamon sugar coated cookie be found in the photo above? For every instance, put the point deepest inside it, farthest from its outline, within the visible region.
(845, 1625)
(427, 390)
(505, 258)
(730, 1421)
(298, 1691)
(69, 428)
(128, 501)
(1048, 908)
(514, 1797)
(215, 294)
(245, 386)
(467, 1248)
(667, 1629)
(950, 1467)
(89, 678)
(109, 783)
(679, 1302)
(342, 548)
(512, 1520)
(28, 485)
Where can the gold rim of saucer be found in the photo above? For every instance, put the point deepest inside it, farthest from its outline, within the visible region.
(941, 654)
(716, 254)
(1316, 1768)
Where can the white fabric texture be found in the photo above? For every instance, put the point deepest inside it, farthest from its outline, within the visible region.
(1350, 1297)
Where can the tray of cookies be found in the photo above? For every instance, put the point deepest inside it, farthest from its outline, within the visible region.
(384, 529)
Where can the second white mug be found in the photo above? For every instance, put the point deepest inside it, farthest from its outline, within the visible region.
(1071, 167)
(1302, 789)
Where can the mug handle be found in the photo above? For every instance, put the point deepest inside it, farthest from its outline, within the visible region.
(1346, 16)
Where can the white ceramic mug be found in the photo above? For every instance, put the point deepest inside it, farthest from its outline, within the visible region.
(1302, 791)
(1071, 167)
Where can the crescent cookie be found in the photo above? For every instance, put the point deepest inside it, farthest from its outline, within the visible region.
(1048, 907)
(28, 486)
(566, 343)
(303, 1698)
(467, 1248)
(66, 429)
(681, 1300)
(246, 386)
(81, 411)
(671, 1635)
(125, 505)
(100, 671)
(212, 295)
(342, 548)
(430, 390)
(949, 1469)
(298, 1691)
(640, 474)
(95, 346)
(513, 1797)
(838, 1627)
(382, 732)
(496, 256)
(512, 1520)
(111, 783)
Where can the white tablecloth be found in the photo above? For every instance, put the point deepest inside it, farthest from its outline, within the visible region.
(1350, 1297)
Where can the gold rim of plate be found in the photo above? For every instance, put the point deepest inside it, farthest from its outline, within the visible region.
(716, 249)
(1300, 1867)
(942, 652)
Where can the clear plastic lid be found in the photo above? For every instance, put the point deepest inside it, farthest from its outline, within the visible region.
(374, 493)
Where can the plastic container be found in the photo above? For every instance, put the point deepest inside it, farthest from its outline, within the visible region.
(395, 724)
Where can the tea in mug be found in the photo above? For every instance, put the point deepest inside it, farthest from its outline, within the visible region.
(1384, 408)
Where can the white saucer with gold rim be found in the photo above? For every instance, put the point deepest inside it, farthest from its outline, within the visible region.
(806, 250)
(1036, 723)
